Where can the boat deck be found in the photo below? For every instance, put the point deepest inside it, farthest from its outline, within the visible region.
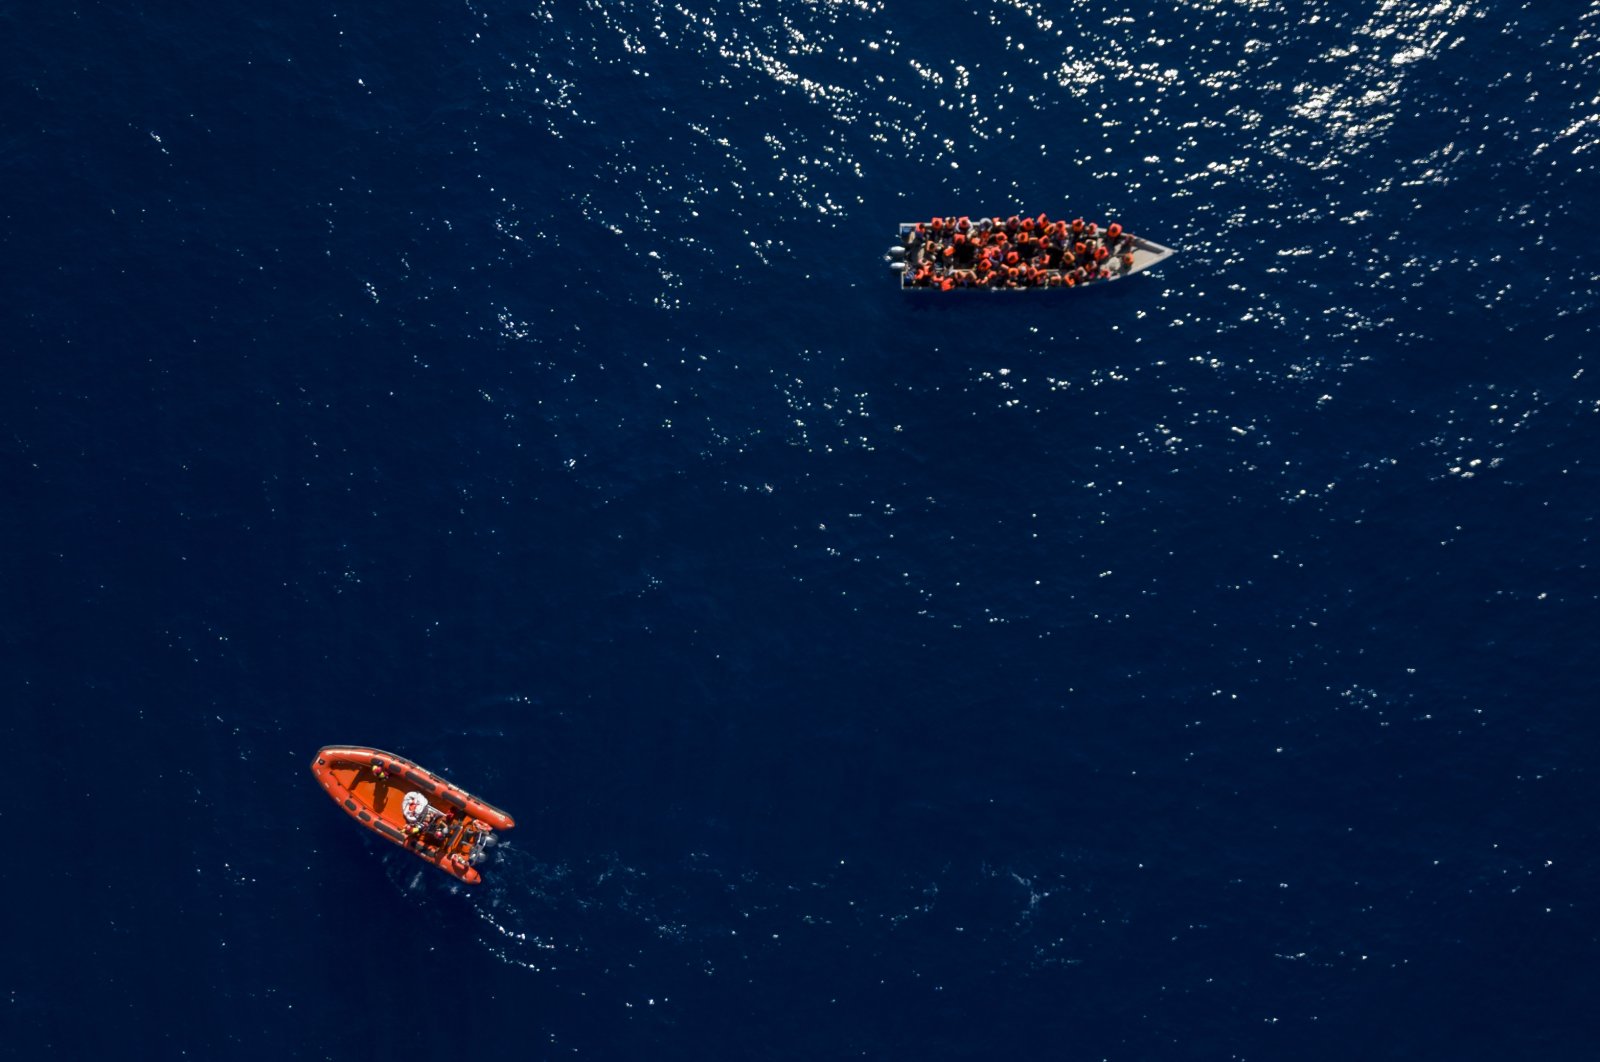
(380, 798)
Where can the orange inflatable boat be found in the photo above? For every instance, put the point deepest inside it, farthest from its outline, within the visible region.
(435, 821)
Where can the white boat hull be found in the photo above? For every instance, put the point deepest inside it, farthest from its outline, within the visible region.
(1146, 253)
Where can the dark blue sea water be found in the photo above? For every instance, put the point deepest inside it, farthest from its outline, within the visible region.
(1196, 668)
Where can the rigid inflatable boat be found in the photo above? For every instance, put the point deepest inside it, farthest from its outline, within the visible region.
(416, 809)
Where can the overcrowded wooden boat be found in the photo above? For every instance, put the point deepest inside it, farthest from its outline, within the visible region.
(1017, 254)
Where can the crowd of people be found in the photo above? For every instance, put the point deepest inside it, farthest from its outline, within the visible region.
(1014, 252)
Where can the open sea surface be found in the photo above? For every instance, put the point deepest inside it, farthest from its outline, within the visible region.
(1199, 667)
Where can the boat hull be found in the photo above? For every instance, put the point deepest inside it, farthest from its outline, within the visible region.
(1146, 253)
(371, 785)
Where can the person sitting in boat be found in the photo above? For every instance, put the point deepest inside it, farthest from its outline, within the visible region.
(380, 771)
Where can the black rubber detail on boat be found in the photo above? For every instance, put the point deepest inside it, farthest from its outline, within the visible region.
(419, 781)
(364, 816)
(351, 804)
(389, 831)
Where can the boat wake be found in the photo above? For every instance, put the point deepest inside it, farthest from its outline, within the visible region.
(634, 931)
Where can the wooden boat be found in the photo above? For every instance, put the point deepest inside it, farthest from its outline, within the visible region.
(416, 809)
(916, 243)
